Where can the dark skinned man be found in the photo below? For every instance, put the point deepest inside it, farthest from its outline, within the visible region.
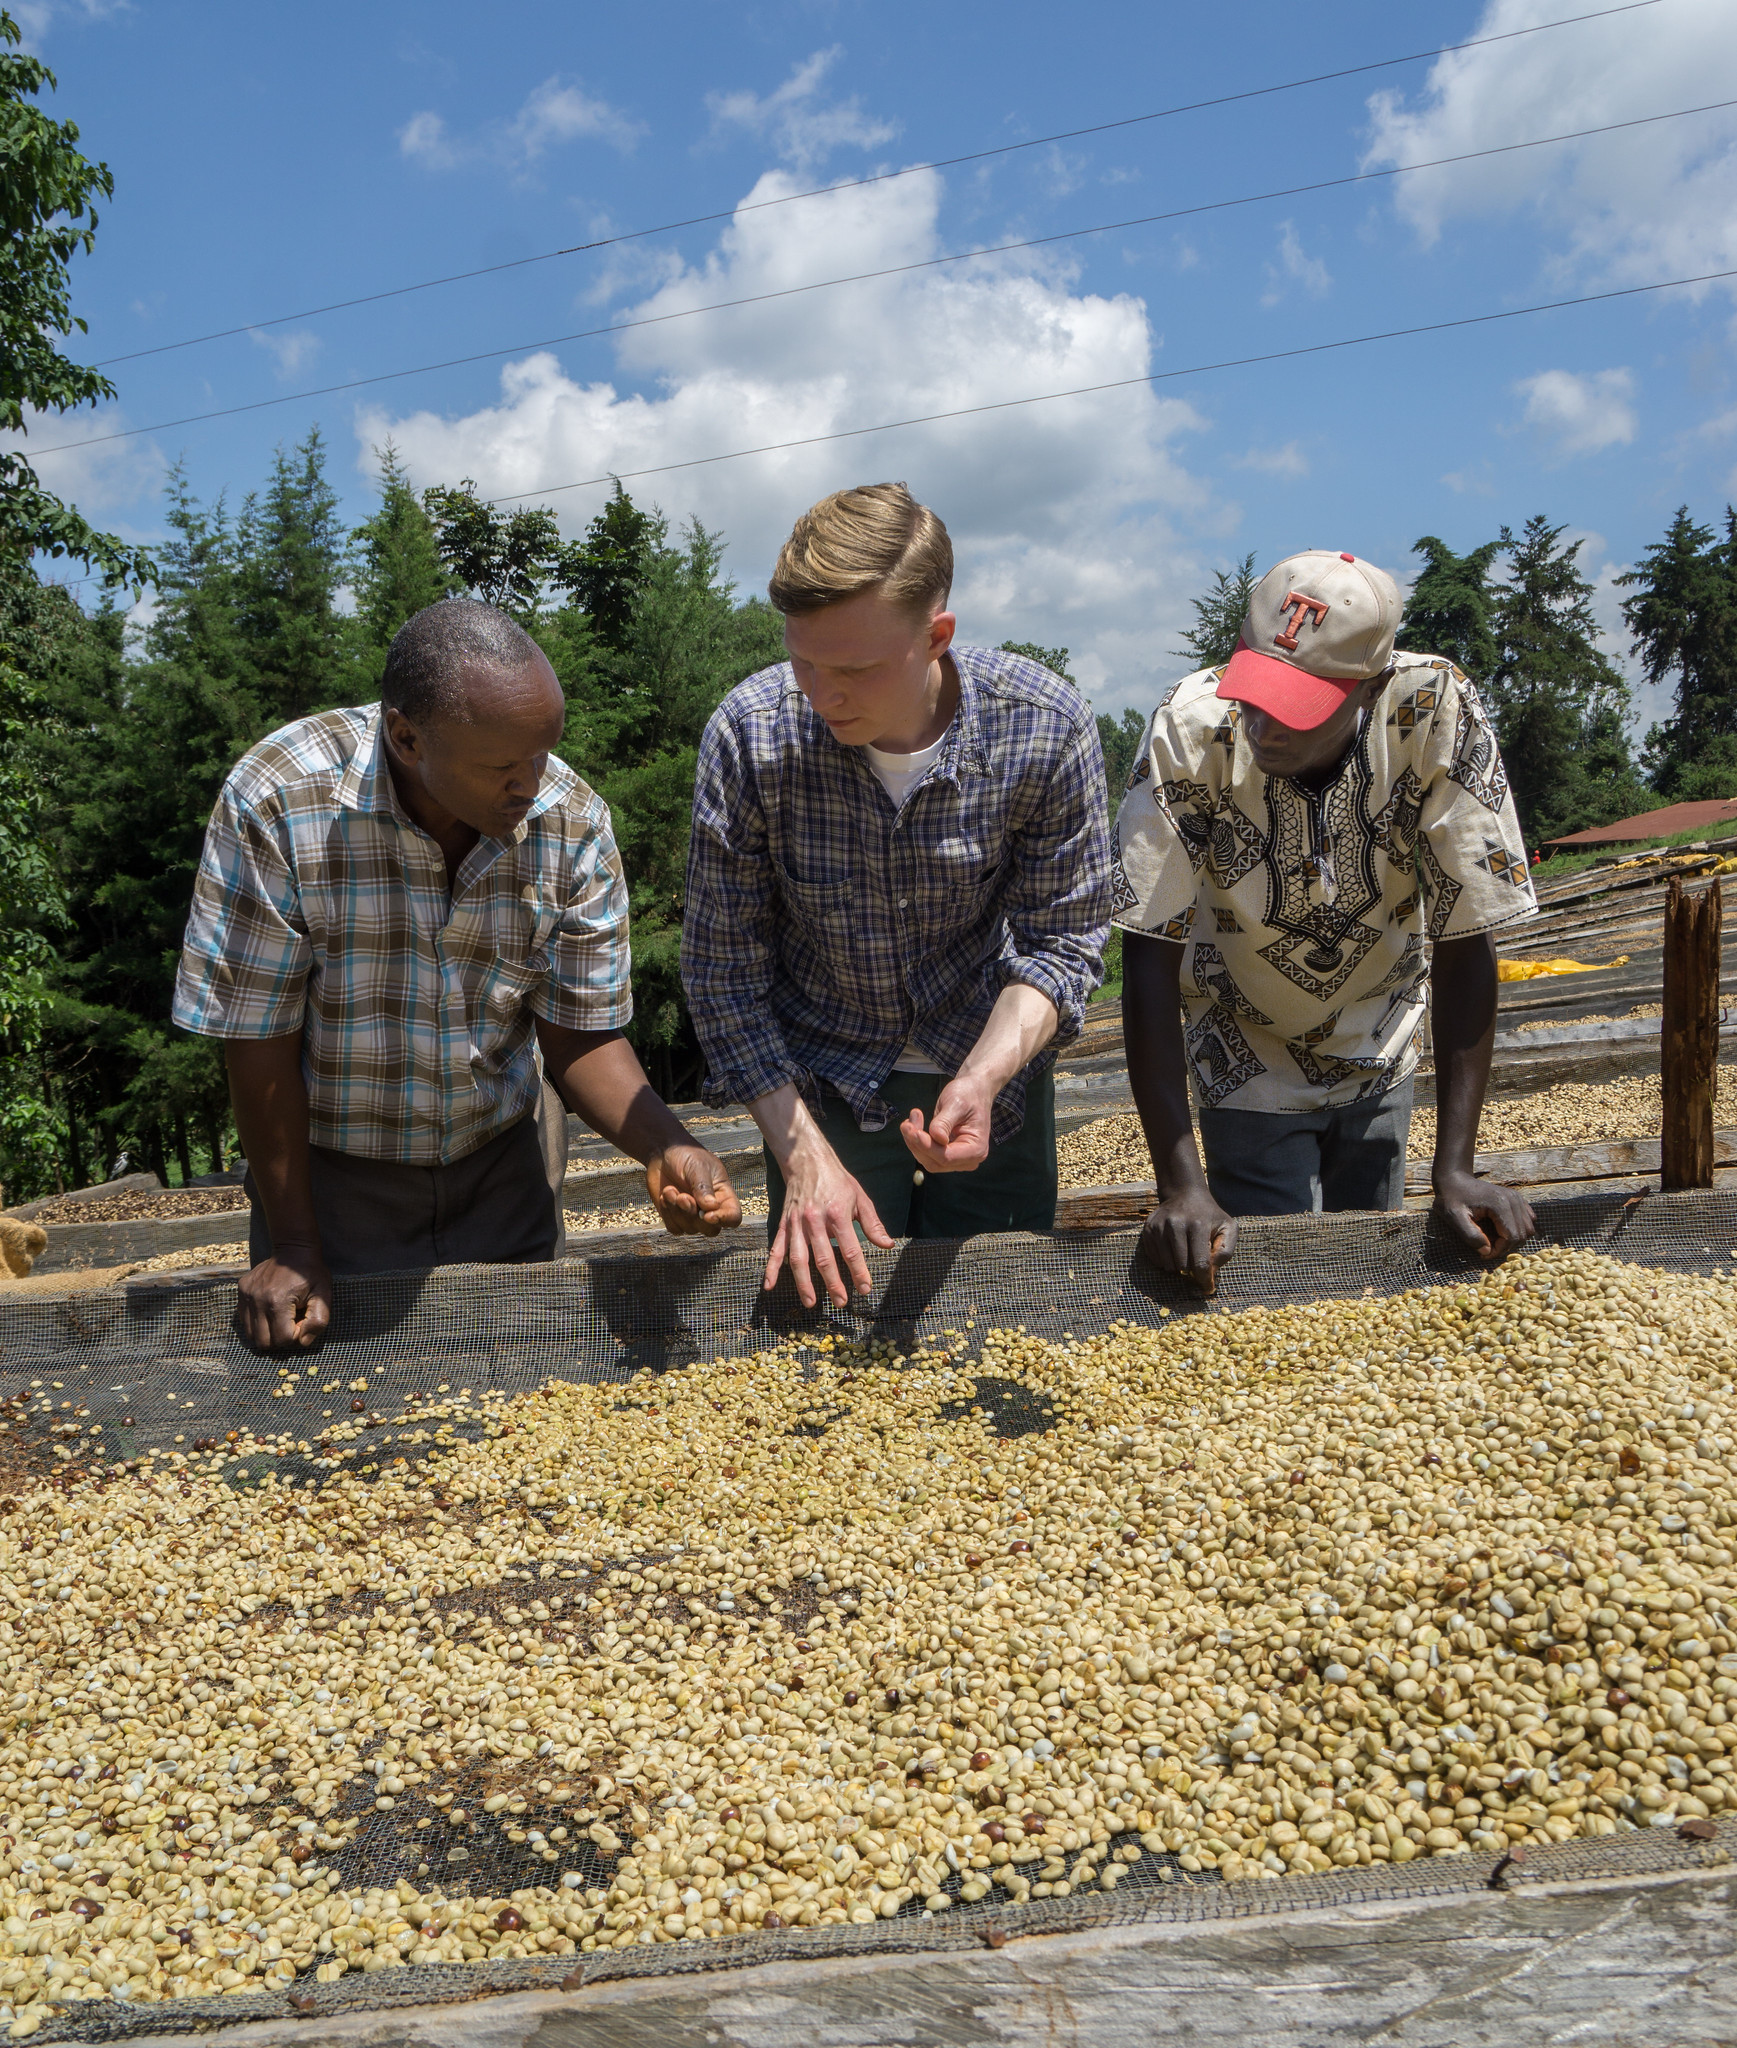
(410, 933)
(1317, 842)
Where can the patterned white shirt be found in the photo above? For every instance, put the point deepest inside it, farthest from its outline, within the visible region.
(1308, 916)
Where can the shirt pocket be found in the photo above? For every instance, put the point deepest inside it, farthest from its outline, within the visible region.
(502, 1017)
(823, 910)
(963, 891)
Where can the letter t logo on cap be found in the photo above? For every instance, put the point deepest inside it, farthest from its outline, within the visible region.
(1303, 611)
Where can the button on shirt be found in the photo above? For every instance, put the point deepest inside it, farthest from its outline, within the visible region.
(1308, 915)
(827, 929)
(322, 907)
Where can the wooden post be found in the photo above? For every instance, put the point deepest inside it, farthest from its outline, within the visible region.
(1689, 1035)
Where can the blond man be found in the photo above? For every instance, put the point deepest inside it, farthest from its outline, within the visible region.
(898, 894)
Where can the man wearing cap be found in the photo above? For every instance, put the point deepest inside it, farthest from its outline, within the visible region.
(1317, 842)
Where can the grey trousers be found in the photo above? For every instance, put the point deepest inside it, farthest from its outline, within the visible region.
(499, 1205)
(1268, 1163)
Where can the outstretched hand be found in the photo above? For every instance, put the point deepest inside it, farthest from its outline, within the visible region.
(957, 1137)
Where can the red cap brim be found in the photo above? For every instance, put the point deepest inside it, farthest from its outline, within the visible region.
(1291, 695)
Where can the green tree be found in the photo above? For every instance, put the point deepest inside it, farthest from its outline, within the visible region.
(504, 558)
(1055, 659)
(1451, 609)
(1218, 616)
(47, 217)
(1557, 701)
(396, 570)
(605, 573)
(289, 568)
(1683, 617)
(642, 708)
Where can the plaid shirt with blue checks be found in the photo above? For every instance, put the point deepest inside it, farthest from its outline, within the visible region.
(321, 907)
(825, 930)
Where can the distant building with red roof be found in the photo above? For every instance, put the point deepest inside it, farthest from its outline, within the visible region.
(1655, 824)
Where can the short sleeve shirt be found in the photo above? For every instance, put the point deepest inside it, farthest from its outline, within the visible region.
(1308, 916)
(322, 907)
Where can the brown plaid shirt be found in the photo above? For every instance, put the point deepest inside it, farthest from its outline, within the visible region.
(320, 907)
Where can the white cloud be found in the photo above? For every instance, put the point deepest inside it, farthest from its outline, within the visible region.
(292, 351)
(1286, 461)
(1579, 415)
(100, 481)
(1064, 515)
(1649, 203)
(424, 137)
(36, 17)
(1294, 267)
(800, 127)
(555, 112)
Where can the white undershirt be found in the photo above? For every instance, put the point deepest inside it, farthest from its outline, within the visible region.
(899, 774)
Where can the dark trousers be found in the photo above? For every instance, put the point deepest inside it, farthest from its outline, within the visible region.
(499, 1205)
(1270, 1163)
(1014, 1188)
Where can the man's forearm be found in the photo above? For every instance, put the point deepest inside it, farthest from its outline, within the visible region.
(598, 1076)
(1020, 1025)
(1158, 1060)
(1463, 986)
(269, 1095)
(785, 1123)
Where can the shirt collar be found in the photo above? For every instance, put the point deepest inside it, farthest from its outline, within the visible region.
(962, 751)
(366, 784)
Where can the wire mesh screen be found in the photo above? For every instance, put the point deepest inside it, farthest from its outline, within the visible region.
(151, 1380)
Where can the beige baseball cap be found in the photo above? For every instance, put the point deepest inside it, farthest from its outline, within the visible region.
(1319, 623)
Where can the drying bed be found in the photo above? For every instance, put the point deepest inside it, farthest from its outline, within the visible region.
(579, 1551)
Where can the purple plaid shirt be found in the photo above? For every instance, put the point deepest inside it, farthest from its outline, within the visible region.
(825, 931)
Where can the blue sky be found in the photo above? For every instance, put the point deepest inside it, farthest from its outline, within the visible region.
(275, 158)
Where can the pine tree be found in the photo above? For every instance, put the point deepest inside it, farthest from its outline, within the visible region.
(1218, 616)
(1451, 609)
(289, 571)
(605, 573)
(1557, 700)
(395, 569)
(1684, 621)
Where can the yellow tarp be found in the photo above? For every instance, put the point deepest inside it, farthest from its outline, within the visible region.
(1529, 970)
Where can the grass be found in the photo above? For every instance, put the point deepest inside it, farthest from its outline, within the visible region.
(1560, 864)
(1112, 988)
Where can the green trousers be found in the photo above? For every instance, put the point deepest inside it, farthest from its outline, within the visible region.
(1014, 1188)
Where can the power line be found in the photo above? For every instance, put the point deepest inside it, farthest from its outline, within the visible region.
(1281, 355)
(878, 178)
(868, 276)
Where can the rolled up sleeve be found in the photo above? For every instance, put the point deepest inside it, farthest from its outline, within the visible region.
(1058, 905)
(245, 956)
(727, 953)
(589, 985)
